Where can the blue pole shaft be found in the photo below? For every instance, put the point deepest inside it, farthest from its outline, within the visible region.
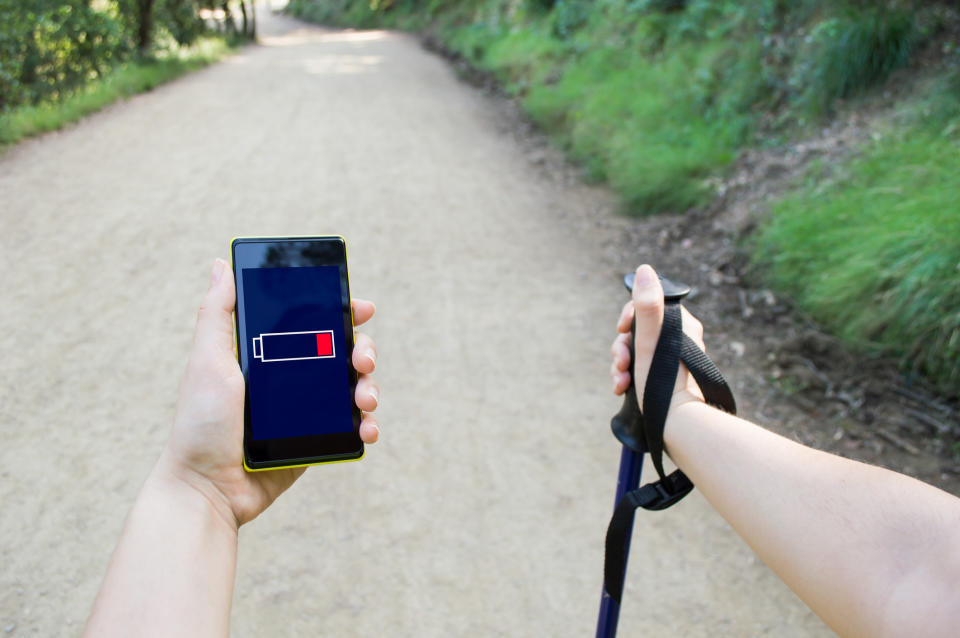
(631, 463)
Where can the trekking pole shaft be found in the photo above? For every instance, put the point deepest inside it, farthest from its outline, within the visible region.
(631, 463)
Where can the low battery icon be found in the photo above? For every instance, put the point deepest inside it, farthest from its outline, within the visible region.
(294, 346)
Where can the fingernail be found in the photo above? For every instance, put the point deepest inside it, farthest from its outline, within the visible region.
(645, 276)
(369, 355)
(217, 272)
(375, 395)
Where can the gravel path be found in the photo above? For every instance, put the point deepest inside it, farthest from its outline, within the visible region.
(482, 511)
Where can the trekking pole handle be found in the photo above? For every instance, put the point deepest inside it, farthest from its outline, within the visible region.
(627, 424)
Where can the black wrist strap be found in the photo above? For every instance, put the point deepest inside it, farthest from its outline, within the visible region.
(672, 347)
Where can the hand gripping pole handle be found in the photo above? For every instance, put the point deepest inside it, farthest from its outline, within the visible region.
(627, 424)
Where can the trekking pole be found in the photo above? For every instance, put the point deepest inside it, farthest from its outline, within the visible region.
(627, 426)
(631, 464)
(641, 431)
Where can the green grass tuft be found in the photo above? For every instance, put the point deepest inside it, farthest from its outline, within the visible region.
(848, 53)
(873, 252)
(123, 81)
(644, 125)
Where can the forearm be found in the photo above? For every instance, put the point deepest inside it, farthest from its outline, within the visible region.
(872, 552)
(173, 570)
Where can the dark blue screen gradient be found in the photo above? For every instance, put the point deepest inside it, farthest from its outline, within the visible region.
(301, 397)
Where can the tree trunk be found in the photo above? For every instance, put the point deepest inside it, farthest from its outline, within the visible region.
(228, 24)
(144, 24)
(243, 14)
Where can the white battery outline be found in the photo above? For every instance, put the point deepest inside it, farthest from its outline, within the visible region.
(258, 346)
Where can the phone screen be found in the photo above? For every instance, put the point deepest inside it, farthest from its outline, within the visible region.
(295, 338)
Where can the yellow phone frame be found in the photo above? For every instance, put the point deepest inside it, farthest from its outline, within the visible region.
(236, 339)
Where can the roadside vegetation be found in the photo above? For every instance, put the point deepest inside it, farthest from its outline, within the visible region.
(63, 59)
(871, 249)
(659, 97)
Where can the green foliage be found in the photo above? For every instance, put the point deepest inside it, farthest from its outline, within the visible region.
(542, 5)
(181, 19)
(473, 41)
(48, 47)
(659, 96)
(123, 81)
(661, 5)
(873, 251)
(570, 15)
(656, 147)
(847, 53)
(338, 12)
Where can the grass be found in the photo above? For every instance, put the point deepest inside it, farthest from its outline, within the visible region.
(658, 97)
(872, 250)
(638, 124)
(123, 81)
(848, 53)
(659, 101)
(656, 109)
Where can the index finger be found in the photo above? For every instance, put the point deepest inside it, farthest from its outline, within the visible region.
(625, 322)
(362, 311)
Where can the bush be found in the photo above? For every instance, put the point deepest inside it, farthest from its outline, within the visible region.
(873, 253)
(49, 47)
(570, 15)
(122, 81)
(845, 54)
(655, 147)
(339, 12)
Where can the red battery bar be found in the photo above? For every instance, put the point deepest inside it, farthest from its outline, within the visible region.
(294, 346)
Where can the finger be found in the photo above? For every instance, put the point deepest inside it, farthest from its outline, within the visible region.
(621, 381)
(367, 395)
(364, 354)
(626, 318)
(693, 327)
(362, 311)
(215, 319)
(621, 355)
(625, 337)
(648, 310)
(369, 429)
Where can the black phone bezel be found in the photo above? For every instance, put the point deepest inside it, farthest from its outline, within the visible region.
(301, 450)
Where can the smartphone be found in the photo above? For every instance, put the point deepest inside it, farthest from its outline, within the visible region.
(294, 328)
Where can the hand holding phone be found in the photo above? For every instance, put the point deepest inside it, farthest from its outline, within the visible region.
(205, 448)
(294, 340)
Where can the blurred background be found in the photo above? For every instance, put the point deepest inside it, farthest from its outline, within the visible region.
(495, 166)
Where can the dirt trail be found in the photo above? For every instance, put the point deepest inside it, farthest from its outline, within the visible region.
(482, 511)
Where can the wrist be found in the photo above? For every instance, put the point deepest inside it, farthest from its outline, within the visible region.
(687, 412)
(192, 491)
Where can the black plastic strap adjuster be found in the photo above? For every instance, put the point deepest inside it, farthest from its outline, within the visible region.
(669, 490)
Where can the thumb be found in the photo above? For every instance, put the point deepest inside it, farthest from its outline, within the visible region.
(648, 315)
(215, 320)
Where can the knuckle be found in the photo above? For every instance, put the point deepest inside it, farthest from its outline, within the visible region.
(647, 307)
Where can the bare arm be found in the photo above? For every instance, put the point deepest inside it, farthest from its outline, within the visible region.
(173, 569)
(172, 572)
(872, 552)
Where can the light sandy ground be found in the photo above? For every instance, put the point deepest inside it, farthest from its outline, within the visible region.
(482, 511)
